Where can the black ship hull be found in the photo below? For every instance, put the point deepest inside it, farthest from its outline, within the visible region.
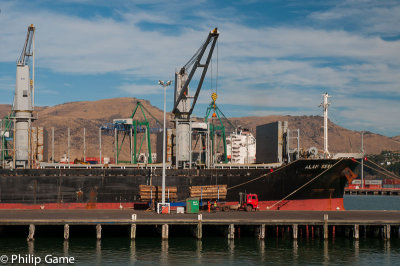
(306, 184)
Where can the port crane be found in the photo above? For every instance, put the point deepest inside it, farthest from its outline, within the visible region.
(183, 102)
(24, 101)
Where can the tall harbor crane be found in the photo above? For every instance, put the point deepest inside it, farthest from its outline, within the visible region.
(184, 103)
(24, 100)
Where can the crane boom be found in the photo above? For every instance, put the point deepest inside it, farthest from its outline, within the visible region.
(27, 51)
(182, 107)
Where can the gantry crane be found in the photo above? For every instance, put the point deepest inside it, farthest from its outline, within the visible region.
(184, 103)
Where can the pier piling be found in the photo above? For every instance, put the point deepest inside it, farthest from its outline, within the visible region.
(199, 231)
(261, 232)
(326, 231)
(231, 231)
(98, 231)
(164, 232)
(66, 231)
(356, 232)
(31, 235)
(133, 231)
(295, 229)
(386, 231)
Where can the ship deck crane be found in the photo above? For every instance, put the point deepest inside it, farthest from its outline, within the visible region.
(184, 103)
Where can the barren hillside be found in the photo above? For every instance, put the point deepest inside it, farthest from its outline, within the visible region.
(91, 115)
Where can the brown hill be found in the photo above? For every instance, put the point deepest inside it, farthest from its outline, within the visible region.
(92, 114)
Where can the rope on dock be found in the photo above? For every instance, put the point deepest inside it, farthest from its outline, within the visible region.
(305, 184)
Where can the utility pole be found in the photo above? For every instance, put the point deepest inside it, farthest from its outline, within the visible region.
(325, 105)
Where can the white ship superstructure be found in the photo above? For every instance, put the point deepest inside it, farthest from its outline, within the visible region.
(241, 147)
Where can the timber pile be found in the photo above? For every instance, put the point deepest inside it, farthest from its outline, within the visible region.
(209, 192)
(152, 192)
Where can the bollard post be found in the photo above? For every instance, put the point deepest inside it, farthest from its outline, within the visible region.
(295, 228)
(164, 234)
(98, 231)
(356, 232)
(31, 235)
(66, 231)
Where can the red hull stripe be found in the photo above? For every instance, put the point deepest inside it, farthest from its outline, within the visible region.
(310, 204)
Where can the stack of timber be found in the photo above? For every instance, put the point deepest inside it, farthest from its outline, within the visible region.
(148, 193)
(217, 192)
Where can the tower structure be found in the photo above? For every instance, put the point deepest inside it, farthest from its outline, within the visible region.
(324, 106)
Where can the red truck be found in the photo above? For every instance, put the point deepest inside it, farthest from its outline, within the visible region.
(247, 202)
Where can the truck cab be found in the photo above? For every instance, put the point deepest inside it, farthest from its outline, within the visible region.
(248, 201)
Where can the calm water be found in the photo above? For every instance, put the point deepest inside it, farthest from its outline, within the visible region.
(213, 250)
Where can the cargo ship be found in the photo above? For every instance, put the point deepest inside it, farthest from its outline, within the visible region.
(281, 177)
(305, 184)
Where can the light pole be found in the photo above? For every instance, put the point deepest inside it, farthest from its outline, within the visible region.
(164, 85)
(362, 160)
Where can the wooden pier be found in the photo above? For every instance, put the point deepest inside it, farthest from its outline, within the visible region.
(263, 224)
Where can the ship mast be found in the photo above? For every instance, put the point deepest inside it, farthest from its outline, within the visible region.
(325, 105)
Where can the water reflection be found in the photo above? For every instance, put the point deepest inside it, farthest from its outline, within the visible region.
(199, 248)
(31, 247)
(132, 252)
(98, 252)
(326, 252)
(66, 247)
(295, 249)
(262, 248)
(164, 252)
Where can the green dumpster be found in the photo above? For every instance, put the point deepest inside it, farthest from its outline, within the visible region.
(192, 205)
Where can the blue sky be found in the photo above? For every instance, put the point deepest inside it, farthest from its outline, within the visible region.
(274, 57)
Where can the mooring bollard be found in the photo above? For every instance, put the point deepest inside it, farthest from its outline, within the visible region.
(164, 233)
(66, 231)
(98, 231)
(31, 235)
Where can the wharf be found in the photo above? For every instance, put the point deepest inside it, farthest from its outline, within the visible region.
(304, 223)
(124, 217)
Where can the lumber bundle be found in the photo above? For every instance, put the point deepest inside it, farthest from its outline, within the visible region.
(148, 193)
(209, 192)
